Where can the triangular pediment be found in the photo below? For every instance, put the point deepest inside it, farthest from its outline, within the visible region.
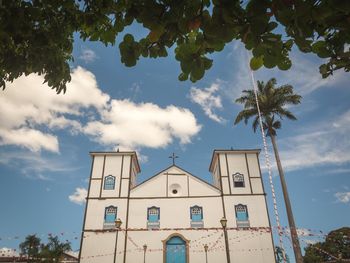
(174, 182)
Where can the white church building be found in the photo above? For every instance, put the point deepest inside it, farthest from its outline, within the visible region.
(174, 216)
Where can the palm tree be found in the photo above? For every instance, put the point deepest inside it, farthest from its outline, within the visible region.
(272, 102)
(30, 247)
(54, 249)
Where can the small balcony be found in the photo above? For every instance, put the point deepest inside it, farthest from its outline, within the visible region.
(243, 223)
(108, 225)
(197, 224)
(153, 225)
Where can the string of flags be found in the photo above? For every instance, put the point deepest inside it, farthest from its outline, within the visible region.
(76, 235)
(319, 249)
(195, 246)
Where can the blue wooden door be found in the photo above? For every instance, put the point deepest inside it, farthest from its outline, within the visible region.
(176, 250)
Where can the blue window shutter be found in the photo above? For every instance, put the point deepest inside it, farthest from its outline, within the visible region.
(196, 213)
(241, 212)
(109, 183)
(110, 214)
(153, 214)
(242, 216)
(153, 218)
(110, 218)
(196, 218)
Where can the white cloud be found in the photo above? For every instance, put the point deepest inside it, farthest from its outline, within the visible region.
(141, 157)
(208, 101)
(35, 166)
(325, 143)
(32, 112)
(343, 197)
(304, 74)
(132, 125)
(27, 106)
(302, 232)
(29, 138)
(88, 55)
(240, 76)
(135, 90)
(78, 197)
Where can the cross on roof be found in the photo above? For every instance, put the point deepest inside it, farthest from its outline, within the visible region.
(173, 156)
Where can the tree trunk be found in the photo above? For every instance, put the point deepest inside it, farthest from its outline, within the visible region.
(293, 231)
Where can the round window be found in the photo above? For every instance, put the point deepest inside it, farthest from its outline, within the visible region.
(175, 189)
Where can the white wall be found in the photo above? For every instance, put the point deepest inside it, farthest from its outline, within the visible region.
(163, 183)
(245, 245)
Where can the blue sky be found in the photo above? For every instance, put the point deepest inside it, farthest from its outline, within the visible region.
(45, 138)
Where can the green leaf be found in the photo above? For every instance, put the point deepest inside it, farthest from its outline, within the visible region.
(162, 52)
(288, 44)
(320, 48)
(272, 26)
(128, 38)
(323, 69)
(256, 62)
(284, 64)
(183, 76)
(155, 34)
(270, 61)
(259, 24)
(186, 66)
(207, 63)
(257, 7)
(258, 51)
(198, 70)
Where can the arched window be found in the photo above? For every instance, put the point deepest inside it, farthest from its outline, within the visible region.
(153, 215)
(110, 216)
(109, 182)
(242, 218)
(238, 180)
(196, 213)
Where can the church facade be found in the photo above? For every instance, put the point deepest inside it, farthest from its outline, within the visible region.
(174, 216)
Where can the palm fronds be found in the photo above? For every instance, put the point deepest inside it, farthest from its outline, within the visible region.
(273, 102)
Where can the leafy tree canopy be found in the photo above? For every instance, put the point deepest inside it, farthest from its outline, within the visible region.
(54, 249)
(272, 101)
(30, 247)
(37, 36)
(337, 244)
(36, 251)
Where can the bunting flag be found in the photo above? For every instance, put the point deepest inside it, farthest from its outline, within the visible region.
(77, 235)
(197, 245)
(321, 250)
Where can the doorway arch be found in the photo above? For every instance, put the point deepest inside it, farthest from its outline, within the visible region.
(176, 249)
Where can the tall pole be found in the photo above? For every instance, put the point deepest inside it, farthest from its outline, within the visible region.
(206, 253)
(293, 230)
(144, 253)
(118, 223)
(223, 222)
(116, 243)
